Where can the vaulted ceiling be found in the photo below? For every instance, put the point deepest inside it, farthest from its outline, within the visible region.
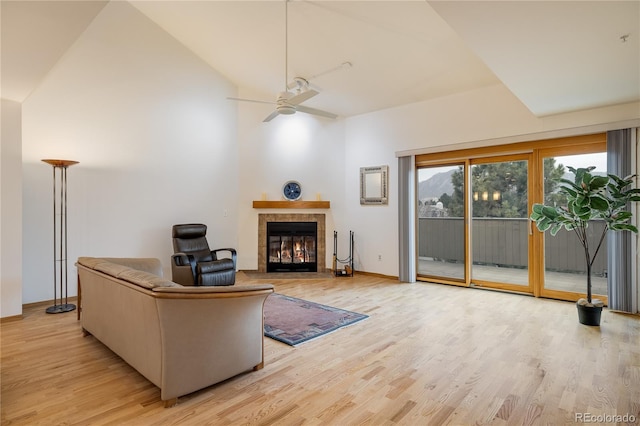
(363, 56)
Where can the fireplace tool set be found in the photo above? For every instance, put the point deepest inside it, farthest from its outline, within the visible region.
(347, 271)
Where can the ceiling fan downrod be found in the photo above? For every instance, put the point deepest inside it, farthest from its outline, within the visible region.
(286, 43)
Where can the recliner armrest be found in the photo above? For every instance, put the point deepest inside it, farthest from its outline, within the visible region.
(233, 253)
(182, 259)
(183, 268)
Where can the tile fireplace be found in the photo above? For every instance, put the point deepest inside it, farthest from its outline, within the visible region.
(291, 242)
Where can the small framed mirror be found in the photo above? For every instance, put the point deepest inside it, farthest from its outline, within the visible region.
(374, 183)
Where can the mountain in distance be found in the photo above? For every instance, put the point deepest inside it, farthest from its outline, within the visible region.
(440, 183)
(436, 185)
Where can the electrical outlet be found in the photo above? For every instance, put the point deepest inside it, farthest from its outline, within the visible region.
(226, 213)
(379, 257)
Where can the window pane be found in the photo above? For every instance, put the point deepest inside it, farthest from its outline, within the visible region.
(440, 222)
(500, 222)
(564, 259)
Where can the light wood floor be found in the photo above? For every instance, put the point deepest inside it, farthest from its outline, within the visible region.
(428, 354)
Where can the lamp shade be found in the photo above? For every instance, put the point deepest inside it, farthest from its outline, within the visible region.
(60, 163)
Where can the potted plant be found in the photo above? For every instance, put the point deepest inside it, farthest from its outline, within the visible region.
(589, 197)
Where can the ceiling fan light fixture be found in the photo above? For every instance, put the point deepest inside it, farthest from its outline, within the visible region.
(286, 109)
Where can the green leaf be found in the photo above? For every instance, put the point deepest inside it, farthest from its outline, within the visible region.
(585, 214)
(571, 184)
(617, 179)
(599, 203)
(622, 182)
(569, 191)
(624, 227)
(598, 182)
(580, 174)
(550, 212)
(573, 207)
(544, 224)
(622, 216)
(537, 208)
(582, 201)
(555, 228)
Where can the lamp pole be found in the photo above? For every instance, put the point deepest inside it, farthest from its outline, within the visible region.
(60, 236)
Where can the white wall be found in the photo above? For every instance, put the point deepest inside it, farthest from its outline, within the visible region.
(298, 147)
(467, 118)
(155, 137)
(11, 210)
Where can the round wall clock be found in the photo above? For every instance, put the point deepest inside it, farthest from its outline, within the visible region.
(292, 190)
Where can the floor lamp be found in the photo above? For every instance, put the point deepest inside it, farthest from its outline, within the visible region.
(60, 235)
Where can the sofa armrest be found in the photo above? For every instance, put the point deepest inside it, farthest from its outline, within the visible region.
(209, 334)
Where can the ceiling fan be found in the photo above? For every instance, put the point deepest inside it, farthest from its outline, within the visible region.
(287, 102)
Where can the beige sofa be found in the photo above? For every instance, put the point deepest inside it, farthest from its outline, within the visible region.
(182, 339)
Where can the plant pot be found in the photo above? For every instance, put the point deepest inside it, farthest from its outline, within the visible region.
(589, 315)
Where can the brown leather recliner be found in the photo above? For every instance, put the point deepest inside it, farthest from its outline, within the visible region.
(193, 263)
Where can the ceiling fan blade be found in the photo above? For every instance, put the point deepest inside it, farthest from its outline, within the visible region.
(301, 97)
(271, 116)
(314, 111)
(251, 100)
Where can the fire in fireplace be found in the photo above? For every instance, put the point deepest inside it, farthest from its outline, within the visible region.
(291, 246)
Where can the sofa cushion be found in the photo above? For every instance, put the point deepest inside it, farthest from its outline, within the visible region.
(145, 279)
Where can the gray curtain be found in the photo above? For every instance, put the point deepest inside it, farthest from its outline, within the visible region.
(621, 282)
(407, 219)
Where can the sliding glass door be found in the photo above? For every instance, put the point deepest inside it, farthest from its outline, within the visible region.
(564, 260)
(441, 230)
(473, 218)
(500, 233)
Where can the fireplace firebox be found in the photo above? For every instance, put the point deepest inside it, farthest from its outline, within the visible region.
(291, 246)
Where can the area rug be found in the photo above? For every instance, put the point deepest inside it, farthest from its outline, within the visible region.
(293, 321)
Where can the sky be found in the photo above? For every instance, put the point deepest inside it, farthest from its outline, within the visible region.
(598, 159)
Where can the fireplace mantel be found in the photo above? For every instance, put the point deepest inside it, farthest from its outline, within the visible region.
(291, 204)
